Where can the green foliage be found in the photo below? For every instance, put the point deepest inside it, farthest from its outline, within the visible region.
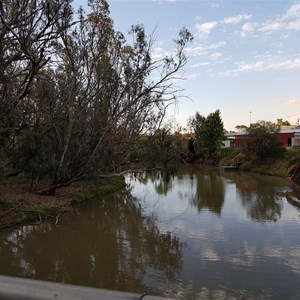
(293, 155)
(194, 123)
(226, 155)
(246, 166)
(158, 149)
(108, 186)
(264, 170)
(34, 154)
(75, 96)
(209, 133)
(4, 205)
(263, 139)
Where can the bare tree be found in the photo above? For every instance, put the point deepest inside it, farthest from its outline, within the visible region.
(27, 30)
(93, 97)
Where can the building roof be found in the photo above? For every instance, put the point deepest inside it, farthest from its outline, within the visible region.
(282, 131)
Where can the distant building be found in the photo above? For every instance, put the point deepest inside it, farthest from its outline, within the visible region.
(287, 137)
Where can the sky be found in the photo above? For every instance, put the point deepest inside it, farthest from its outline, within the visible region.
(244, 59)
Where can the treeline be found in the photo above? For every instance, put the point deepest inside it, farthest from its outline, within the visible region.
(75, 96)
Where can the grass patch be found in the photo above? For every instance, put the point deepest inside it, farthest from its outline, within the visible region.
(227, 155)
(32, 216)
(94, 191)
(265, 170)
(108, 186)
(277, 164)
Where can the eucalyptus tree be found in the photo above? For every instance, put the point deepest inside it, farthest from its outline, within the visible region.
(194, 123)
(27, 31)
(159, 148)
(96, 96)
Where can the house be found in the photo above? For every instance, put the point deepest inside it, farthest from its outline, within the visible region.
(287, 138)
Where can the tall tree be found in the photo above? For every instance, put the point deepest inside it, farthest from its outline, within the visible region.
(94, 98)
(160, 148)
(209, 132)
(28, 31)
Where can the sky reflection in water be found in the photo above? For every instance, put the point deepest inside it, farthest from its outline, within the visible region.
(241, 232)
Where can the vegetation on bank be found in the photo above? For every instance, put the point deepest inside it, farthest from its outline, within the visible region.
(77, 101)
(75, 96)
(279, 164)
(264, 154)
(20, 205)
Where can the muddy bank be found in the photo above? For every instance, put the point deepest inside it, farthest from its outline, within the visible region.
(18, 204)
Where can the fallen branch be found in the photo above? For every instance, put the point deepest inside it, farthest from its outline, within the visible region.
(51, 190)
(57, 219)
(15, 173)
(128, 171)
(10, 210)
(184, 161)
(38, 211)
(120, 174)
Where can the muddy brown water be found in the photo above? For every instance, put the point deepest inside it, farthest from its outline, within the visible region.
(193, 234)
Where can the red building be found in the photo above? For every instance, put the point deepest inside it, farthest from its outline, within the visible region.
(287, 137)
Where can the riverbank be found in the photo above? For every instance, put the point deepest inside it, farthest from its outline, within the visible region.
(280, 164)
(19, 204)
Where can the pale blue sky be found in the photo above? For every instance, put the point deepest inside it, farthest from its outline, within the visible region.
(245, 56)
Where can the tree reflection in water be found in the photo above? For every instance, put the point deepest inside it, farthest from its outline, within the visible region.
(111, 246)
(162, 180)
(210, 191)
(293, 196)
(262, 201)
(257, 194)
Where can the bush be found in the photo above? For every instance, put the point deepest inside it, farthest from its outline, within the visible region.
(226, 155)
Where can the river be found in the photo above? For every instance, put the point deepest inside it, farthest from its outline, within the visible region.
(190, 234)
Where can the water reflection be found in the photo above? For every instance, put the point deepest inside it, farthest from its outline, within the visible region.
(112, 246)
(163, 180)
(257, 194)
(194, 234)
(232, 257)
(262, 201)
(210, 192)
(264, 196)
(293, 196)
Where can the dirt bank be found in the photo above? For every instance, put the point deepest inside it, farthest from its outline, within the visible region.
(19, 204)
